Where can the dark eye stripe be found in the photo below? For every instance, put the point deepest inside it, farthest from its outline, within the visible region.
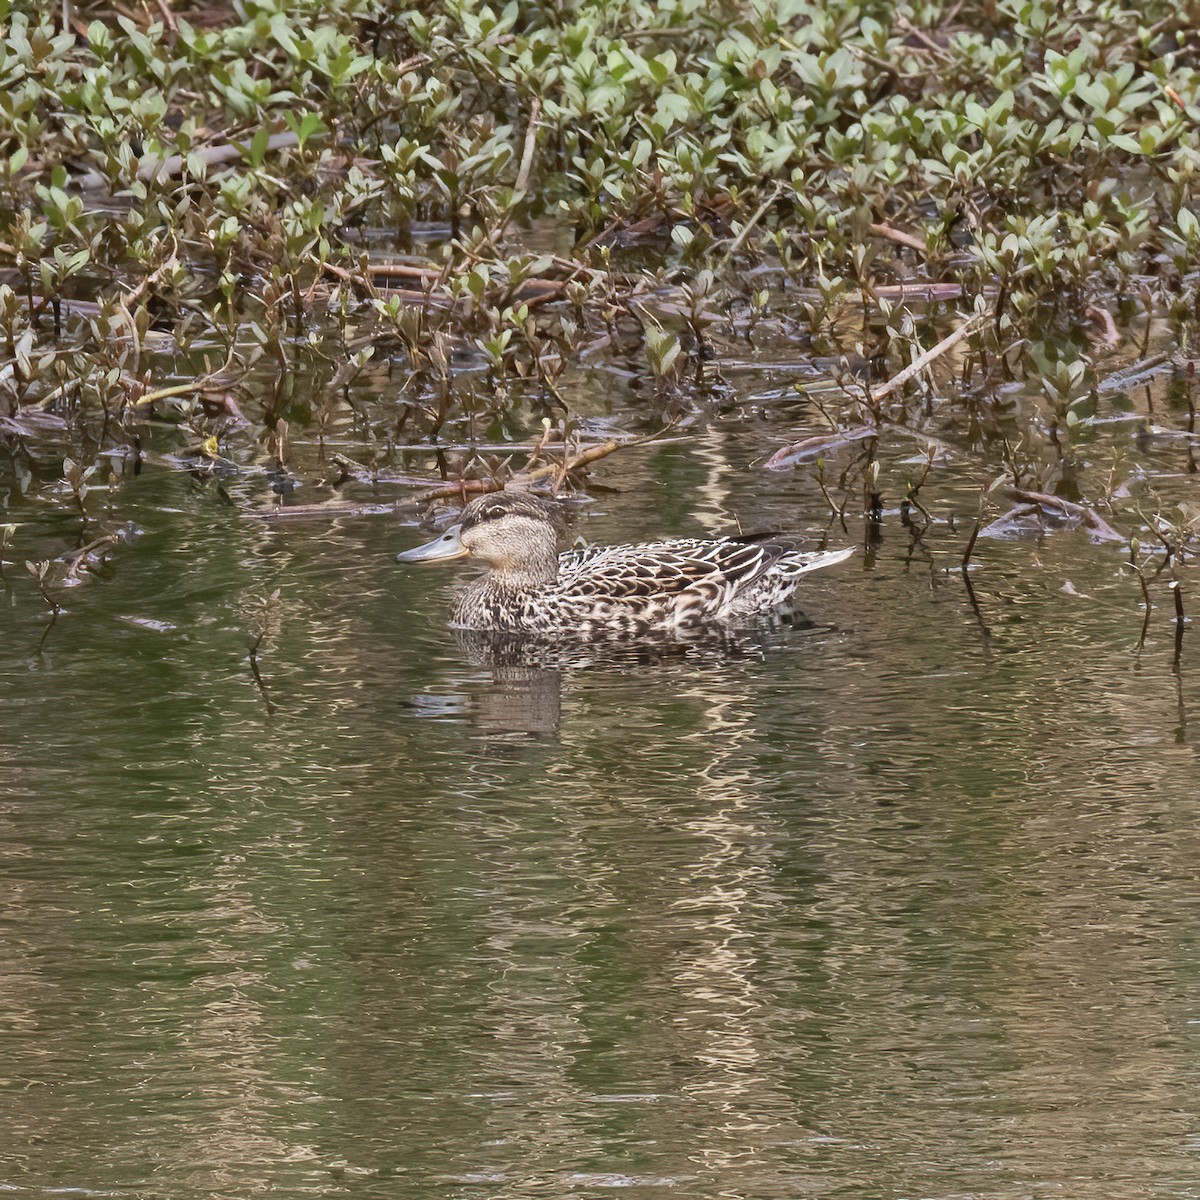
(505, 506)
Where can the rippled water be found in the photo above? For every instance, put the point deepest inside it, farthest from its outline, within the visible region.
(902, 904)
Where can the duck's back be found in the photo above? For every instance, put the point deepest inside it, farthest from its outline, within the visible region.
(654, 587)
(668, 584)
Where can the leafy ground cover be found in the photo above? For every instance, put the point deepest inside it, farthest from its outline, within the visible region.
(417, 226)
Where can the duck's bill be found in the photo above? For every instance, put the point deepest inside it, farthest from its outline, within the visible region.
(442, 549)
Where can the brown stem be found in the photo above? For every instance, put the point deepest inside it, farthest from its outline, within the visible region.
(931, 355)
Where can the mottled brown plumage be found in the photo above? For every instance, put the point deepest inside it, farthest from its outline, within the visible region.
(629, 591)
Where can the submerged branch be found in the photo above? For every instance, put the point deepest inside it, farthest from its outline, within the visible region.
(817, 446)
(1088, 517)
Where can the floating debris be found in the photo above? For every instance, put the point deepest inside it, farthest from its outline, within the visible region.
(816, 447)
(1038, 513)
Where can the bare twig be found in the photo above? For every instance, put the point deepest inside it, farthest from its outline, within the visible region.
(972, 599)
(460, 489)
(154, 168)
(167, 15)
(966, 558)
(899, 237)
(1145, 600)
(744, 232)
(406, 270)
(558, 471)
(268, 605)
(921, 36)
(176, 389)
(971, 325)
(916, 289)
(584, 458)
(535, 112)
(411, 64)
(1180, 624)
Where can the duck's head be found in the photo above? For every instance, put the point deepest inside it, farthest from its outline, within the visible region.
(514, 533)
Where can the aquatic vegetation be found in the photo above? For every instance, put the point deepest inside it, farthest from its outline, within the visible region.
(409, 233)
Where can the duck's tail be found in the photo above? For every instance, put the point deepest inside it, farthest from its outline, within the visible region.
(801, 562)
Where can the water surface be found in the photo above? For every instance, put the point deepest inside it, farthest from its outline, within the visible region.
(902, 904)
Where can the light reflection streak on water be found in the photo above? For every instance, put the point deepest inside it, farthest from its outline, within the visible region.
(712, 510)
(726, 1005)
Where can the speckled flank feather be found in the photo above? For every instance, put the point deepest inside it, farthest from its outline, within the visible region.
(618, 590)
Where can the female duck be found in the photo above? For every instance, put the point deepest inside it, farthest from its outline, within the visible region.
(617, 590)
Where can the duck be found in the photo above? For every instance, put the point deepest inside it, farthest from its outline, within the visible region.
(671, 586)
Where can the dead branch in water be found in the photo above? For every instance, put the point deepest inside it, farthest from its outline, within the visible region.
(965, 568)
(968, 327)
(1088, 517)
(1133, 566)
(817, 446)
(899, 237)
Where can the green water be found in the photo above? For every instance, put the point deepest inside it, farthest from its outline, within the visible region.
(894, 906)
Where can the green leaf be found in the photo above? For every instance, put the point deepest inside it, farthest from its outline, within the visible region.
(1123, 141)
(662, 66)
(258, 147)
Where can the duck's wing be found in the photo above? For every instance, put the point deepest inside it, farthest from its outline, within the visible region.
(574, 558)
(662, 569)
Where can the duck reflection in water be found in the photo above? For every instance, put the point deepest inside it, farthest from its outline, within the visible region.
(524, 693)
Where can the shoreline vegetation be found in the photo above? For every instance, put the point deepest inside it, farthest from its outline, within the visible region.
(399, 230)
